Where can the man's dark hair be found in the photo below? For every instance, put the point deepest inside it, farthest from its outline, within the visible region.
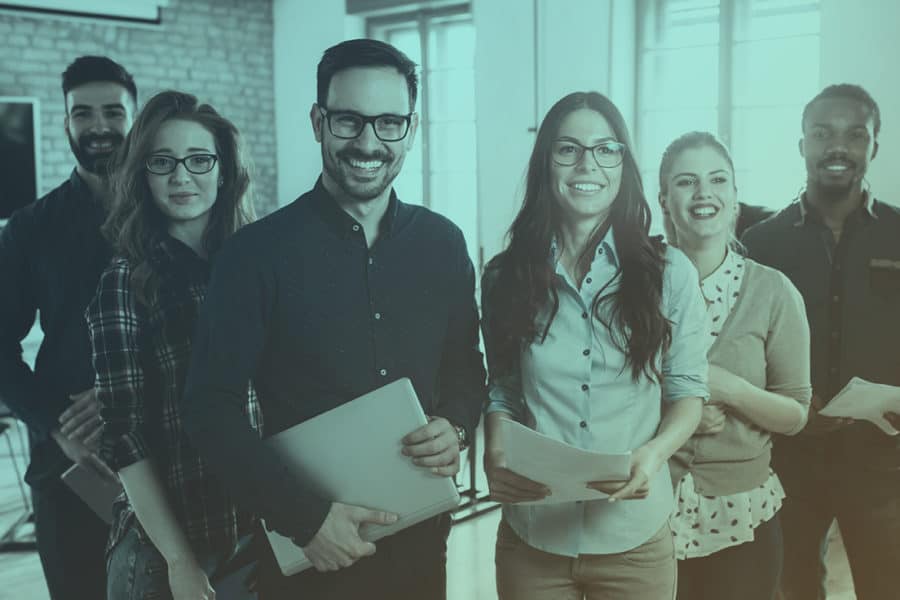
(364, 53)
(848, 91)
(88, 69)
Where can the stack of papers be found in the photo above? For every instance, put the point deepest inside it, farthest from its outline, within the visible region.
(563, 468)
(861, 399)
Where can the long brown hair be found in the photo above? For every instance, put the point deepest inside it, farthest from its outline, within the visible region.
(135, 226)
(520, 281)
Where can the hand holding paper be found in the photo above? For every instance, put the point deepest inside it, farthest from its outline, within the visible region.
(564, 469)
(861, 399)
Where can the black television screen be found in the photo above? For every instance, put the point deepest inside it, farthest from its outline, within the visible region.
(18, 153)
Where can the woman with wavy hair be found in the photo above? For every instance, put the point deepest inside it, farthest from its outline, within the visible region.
(727, 535)
(180, 189)
(593, 332)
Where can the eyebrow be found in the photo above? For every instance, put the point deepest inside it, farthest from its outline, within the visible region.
(695, 175)
(597, 141)
(89, 107)
(189, 150)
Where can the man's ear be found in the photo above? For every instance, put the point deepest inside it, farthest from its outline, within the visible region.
(874, 150)
(413, 128)
(800, 147)
(317, 120)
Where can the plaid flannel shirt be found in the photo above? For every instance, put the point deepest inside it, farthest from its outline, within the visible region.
(141, 355)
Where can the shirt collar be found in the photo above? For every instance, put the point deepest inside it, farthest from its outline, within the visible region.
(721, 278)
(606, 248)
(345, 225)
(808, 213)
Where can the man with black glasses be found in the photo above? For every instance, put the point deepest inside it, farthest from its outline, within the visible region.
(51, 258)
(340, 292)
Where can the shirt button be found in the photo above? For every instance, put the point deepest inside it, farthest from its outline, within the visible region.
(584, 387)
(371, 261)
(600, 250)
(586, 352)
(355, 228)
(835, 298)
(584, 315)
(383, 372)
(588, 280)
(583, 425)
(377, 316)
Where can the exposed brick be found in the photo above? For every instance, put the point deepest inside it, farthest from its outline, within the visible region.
(219, 50)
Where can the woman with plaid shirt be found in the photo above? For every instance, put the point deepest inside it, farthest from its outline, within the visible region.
(181, 189)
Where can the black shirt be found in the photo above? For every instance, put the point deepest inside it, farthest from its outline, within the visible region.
(852, 295)
(51, 257)
(299, 304)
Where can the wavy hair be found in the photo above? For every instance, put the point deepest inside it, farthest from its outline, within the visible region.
(135, 226)
(522, 276)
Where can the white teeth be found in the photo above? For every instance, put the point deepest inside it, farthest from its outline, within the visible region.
(836, 167)
(367, 164)
(704, 211)
(587, 187)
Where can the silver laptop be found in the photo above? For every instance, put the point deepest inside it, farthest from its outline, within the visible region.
(98, 493)
(351, 454)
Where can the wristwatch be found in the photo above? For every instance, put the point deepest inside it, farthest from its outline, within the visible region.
(461, 437)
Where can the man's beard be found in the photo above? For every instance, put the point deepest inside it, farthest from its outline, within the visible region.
(95, 162)
(335, 165)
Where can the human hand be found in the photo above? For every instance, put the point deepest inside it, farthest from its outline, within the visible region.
(337, 543)
(645, 462)
(712, 419)
(81, 421)
(818, 424)
(893, 418)
(189, 582)
(83, 456)
(509, 487)
(435, 446)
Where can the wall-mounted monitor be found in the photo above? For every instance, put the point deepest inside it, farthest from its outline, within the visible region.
(19, 153)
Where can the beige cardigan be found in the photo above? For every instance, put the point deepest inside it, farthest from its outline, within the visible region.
(765, 340)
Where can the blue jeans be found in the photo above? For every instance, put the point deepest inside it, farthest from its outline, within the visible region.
(137, 571)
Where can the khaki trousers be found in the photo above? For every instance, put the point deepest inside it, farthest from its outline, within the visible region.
(647, 572)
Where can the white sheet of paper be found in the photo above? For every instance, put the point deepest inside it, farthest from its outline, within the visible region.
(563, 468)
(861, 399)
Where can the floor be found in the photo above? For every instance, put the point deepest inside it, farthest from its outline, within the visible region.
(470, 554)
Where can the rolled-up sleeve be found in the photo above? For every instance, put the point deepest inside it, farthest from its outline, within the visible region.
(114, 324)
(684, 364)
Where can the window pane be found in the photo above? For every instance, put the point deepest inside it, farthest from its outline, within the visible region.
(762, 19)
(768, 163)
(776, 71)
(452, 146)
(453, 194)
(406, 39)
(451, 43)
(451, 94)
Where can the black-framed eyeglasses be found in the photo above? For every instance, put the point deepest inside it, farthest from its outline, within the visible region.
(348, 125)
(567, 152)
(198, 164)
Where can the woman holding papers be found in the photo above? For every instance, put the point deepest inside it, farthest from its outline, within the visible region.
(180, 188)
(588, 323)
(727, 535)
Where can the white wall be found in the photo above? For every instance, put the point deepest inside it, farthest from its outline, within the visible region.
(860, 45)
(303, 30)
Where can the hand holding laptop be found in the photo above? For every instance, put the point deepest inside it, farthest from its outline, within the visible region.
(434, 446)
(337, 544)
